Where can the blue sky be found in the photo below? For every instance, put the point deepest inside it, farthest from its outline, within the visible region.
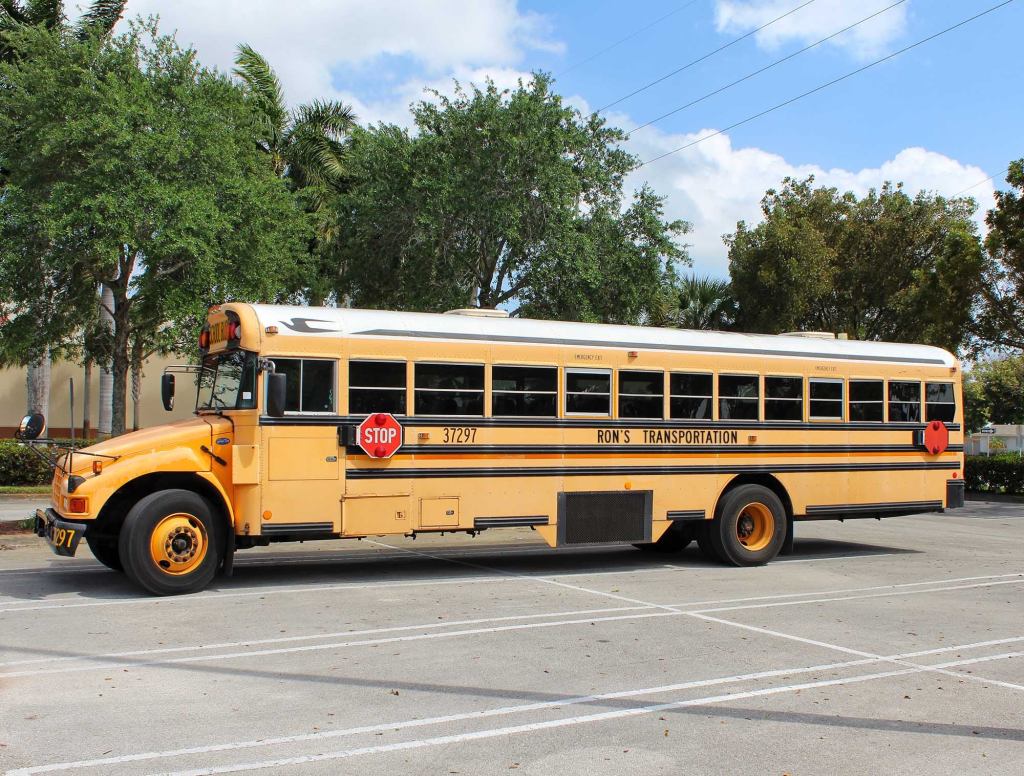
(940, 117)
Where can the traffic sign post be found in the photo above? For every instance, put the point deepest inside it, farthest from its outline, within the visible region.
(379, 435)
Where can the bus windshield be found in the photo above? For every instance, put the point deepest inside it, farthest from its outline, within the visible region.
(227, 381)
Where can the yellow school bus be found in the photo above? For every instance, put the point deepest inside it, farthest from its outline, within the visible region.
(315, 423)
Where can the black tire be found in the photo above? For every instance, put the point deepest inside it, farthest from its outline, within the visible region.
(172, 542)
(707, 549)
(675, 539)
(104, 549)
(749, 527)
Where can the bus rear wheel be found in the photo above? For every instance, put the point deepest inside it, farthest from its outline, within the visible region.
(171, 543)
(749, 527)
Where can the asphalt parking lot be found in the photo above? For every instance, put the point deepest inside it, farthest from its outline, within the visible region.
(891, 647)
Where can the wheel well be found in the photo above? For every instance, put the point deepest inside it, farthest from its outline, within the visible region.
(113, 513)
(765, 480)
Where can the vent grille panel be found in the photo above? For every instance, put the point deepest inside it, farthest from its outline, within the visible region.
(604, 517)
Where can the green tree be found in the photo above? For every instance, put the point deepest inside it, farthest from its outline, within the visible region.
(502, 197)
(884, 267)
(97, 20)
(307, 147)
(1001, 323)
(996, 390)
(132, 168)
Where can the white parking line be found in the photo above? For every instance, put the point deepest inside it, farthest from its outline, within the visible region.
(500, 711)
(669, 608)
(640, 609)
(554, 724)
(815, 594)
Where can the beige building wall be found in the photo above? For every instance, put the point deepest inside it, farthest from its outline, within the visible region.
(13, 398)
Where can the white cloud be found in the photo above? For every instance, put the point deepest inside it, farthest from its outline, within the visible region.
(306, 41)
(713, 184)
(816, 21)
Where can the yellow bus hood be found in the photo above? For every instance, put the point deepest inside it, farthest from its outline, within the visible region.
(189, 433)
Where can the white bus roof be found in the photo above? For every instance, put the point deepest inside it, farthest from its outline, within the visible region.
(345, 322)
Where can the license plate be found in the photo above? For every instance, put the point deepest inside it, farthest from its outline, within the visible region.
(64, 539)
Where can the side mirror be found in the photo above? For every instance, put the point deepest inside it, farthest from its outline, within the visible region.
(167, 391)
(277, 384)
(31, 427)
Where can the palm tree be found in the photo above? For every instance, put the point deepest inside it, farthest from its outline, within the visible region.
(704, 303)
(307, 146)
(99, 19)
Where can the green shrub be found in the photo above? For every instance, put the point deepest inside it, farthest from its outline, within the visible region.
(21, 466)
(1003, 473)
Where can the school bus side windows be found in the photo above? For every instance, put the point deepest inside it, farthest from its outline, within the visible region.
(940, 402)
(528, 391)
(310, 384)
(588, 392)
(641, 394)
(738, 397)
(376, 386)
(826, 399)
(904, 401)
(783, 398)
(691, 395)
(449, 389)
(867, 401)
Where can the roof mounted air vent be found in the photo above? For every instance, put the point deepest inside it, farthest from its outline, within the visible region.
(478, 312)
(822, 335)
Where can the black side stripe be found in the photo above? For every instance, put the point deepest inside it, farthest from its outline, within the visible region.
(410, 334)
(737, 449)
(462, 421)
(885, 506)
(581, 471)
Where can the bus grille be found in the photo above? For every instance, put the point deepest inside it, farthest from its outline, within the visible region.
(604, 517)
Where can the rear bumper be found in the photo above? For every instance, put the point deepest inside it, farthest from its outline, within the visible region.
(62, 535)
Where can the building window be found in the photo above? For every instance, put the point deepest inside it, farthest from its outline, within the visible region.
(588, 392)
(904, 402)
(641, 394)
(826, 399)
(940, 402)
(867, 401)
(309, 388)
(783, 398)
(737, 397)
(524, 390)
(690, 396)
(449, 389)
(376, 386)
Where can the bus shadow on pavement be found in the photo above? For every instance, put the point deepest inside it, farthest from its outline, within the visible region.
(258, 570)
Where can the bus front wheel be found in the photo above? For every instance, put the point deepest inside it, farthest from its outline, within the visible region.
(749, 527)
(104, 549)
(171, 543)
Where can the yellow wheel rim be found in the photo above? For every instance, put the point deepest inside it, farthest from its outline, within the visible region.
(178, 543)
(755, 526)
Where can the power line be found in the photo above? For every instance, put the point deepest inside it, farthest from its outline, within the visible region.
(830, 83)
(986, 180)
(619, 42)
(700, 59)
(777, 62)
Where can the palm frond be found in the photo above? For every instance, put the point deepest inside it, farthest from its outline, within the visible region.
(12, 13)
(101, 17)
(328, 117)
(314, 158)
(265, 95)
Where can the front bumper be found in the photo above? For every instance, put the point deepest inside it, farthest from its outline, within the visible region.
(63, 535)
